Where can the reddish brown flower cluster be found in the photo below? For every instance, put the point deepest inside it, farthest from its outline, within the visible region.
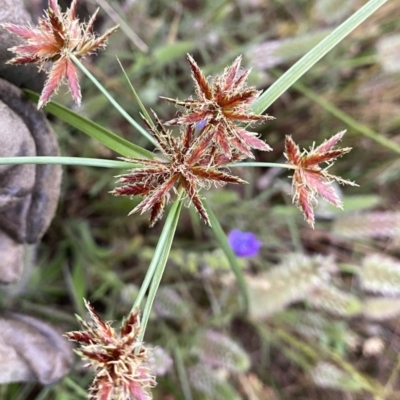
(220, 105)
(187, 161)
(309, 179)
(120, 361)
(209, 140)
(55, 39)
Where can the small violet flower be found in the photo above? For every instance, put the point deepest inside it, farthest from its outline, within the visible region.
(244, 244)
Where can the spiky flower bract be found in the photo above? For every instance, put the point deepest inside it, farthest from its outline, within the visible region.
(57, 37)
(120, 361)
(187, 160)
(221, 105)
(309, 179)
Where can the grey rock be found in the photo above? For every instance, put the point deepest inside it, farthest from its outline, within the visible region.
(32, 350)
(28, 193)
(26, 76)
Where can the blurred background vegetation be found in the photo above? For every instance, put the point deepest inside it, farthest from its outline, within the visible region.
(325, 303)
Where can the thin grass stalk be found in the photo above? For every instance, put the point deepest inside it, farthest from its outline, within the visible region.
(94, 130)
(78, 161)
(346, 118)
(111, 99)
(181, 372)
(129, 32)
(260, 164)
(79, 391)
(139, 101)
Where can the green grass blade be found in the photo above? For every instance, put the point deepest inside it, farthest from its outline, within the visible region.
(223, 241)
(96, 131)
(80, 161)
(111, 99)
(139, 101)
(181, 372)
(347, 119)
(313, 56)
(158, 262)
(79, 391)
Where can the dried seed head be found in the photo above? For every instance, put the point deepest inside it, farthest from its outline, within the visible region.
(57, 36)
(309, 179)
(187, 160)
(221, 105)
(120, 360)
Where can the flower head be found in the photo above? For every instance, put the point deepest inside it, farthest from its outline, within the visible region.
(55, 39)
(221, 105)
(186, 160)
(121, 371)
(244, 244)
(309, 179)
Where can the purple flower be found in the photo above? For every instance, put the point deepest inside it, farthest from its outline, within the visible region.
(201, 124)
(244, 244)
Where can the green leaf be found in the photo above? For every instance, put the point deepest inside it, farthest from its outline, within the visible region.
(347, 119)
(158, 262)
(223, 241)
(96, 131)
(85, 162)
(313, 56)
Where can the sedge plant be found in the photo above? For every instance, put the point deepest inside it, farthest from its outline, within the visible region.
(214, 137)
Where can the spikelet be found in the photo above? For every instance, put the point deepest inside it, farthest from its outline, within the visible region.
(380, 308)
(328, 375)
(368, 225)
(388, 49)
(219, 350)
(169, 304)
(209, 384)
(329, 298)
(292, 281)
(310, 324)
(380, 274)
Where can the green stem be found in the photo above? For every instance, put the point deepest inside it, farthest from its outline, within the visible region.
(158, 262)
(260, 164)
(313, 56)
(347, 119)
(223, 241)
(112, 101)
(81, 161)
(99, 162)
(94, 130)
(139, 101)
(181, 371)
(75, 387)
